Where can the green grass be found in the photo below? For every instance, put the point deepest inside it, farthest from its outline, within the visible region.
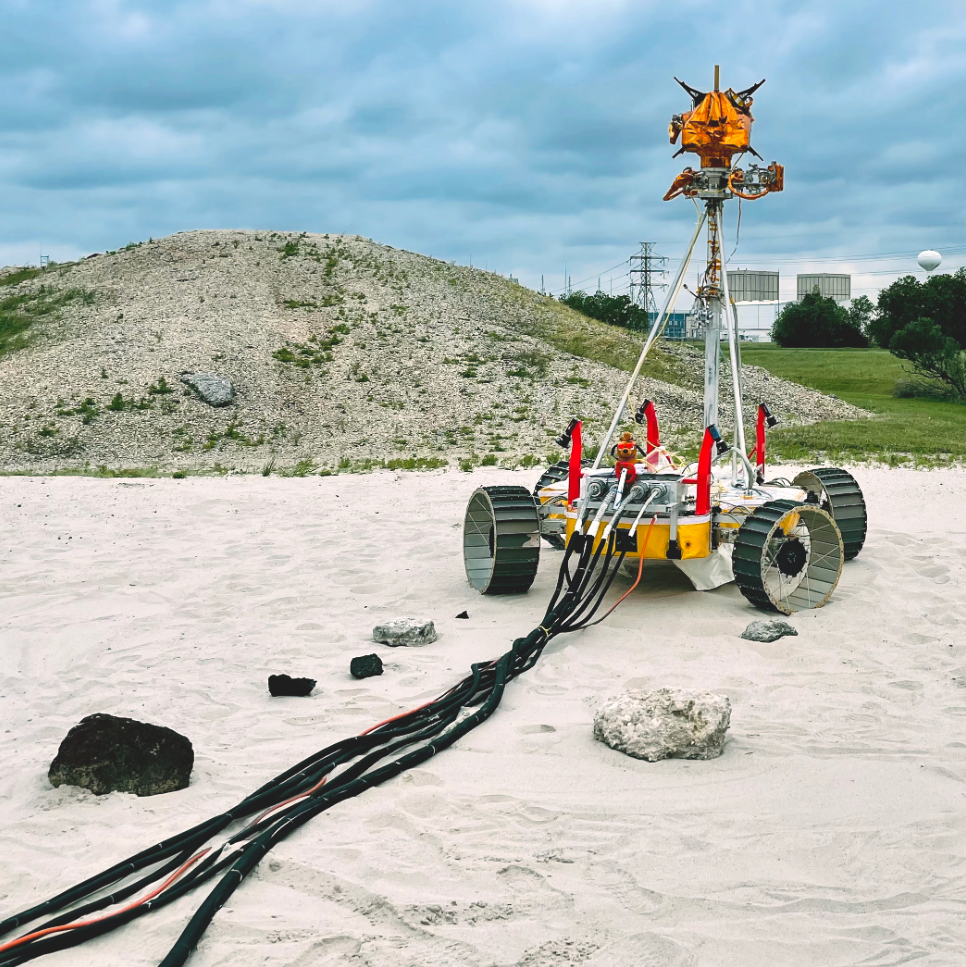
(21, 275)
(19, 312)
(916, 431)
(572, 332)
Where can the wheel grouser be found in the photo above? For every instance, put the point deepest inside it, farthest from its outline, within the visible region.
(501, 540)
(838, 492)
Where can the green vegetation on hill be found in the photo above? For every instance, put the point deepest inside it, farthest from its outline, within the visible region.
(19, 312)
(905, 430)
(572, 332)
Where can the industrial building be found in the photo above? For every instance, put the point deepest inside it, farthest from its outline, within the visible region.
(831, 286)
(750, 286)
(755, 295)
(676, 326)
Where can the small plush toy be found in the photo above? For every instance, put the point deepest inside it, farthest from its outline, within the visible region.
(626, 451)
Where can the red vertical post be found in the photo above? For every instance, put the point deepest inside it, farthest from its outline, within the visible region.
(576, 454)
(703, 499)
(653, 432)
(760, 441)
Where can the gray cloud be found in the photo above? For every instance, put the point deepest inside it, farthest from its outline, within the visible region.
(527, 133)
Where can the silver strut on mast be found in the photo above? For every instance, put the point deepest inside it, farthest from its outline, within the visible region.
(735, 353)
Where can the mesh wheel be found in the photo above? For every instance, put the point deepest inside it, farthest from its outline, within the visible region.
(838, 493)
(501, 540)
(555, 473)
(788, 556)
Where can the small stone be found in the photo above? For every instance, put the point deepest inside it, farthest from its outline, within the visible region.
(211, 388)
(284, 685)
(462, 614)
(106, 753)
(365, 666)
(405, 631)
(667, 723)
(769, 630)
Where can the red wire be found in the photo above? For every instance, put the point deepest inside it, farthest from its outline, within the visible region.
(640, 571)
(86, 923)
(418, 708)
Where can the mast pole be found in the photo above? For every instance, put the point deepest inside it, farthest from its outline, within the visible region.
(712, 338)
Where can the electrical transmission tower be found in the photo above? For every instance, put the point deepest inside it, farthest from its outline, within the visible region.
(647, 273)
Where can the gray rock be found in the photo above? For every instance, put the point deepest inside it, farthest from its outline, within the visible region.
(770, 630)
(105, 753)
(405, 631)
(211, 388)
(667, 723)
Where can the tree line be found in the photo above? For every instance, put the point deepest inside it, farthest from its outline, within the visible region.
(615, 310)
(923, 323)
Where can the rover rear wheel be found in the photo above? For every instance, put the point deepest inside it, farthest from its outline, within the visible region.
(555, 473)
(838, 493)
(788, 556)
(501, 540)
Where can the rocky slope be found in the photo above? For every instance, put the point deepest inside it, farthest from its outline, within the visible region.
(341, 352)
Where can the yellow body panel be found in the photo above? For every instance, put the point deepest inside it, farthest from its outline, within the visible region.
(694, 538)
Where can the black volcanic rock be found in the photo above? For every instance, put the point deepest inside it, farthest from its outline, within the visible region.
(284, 685)
(105, 753)
(365, 666)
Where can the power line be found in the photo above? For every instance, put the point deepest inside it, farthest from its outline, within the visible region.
(590, 278)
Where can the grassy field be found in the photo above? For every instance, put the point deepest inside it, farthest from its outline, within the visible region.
(904, 432)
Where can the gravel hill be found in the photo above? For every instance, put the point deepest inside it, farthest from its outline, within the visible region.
(342, 353)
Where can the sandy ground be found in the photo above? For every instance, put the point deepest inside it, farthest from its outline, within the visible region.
(831, 832)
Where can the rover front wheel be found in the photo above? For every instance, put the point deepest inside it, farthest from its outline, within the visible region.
(788, 556)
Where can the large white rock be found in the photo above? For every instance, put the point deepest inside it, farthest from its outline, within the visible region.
(768, 630)
(667, 723)
(405, 631)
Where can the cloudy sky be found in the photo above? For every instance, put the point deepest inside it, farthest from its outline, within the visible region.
(526, 135)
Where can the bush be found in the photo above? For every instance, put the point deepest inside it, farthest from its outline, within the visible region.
(925, 324)
(933, 354)
(818, 322)
(917, 389)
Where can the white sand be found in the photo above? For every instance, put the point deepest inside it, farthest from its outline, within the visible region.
(831, 832)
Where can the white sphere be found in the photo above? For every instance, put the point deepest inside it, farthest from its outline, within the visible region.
(930, 260)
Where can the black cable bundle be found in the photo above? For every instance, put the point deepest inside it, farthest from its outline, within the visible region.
(303, 791)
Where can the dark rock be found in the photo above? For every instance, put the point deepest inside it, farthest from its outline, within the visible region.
(211, 388)
(365, 666)
(284, 685)
(462, 614)
(105, 753)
